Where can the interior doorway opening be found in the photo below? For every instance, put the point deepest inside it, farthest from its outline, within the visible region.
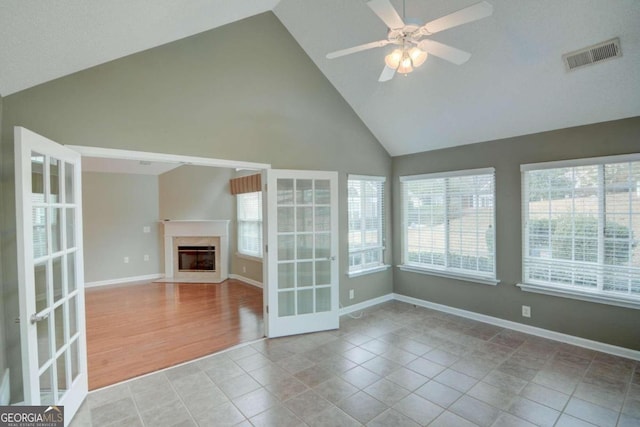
(219, 315)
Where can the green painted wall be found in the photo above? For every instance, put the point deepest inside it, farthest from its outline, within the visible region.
(245, 91)
(600, 322)
(116, 207)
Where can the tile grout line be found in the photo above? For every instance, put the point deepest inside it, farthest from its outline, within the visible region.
(180, 399)
(626, 392)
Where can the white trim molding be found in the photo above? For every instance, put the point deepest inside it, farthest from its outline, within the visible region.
(565, 292)
(448, 174)
(581, 162)
(121, 280)
(450, 275)
(352, 274)
(532, 330)
(365, 304)
(246, 280)
(366, 178)
(113, 153)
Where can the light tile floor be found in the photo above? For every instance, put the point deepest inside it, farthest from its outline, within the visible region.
(398, 365)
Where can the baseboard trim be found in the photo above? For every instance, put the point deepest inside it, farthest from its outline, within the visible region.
(365, 304)
(246, 280)
(122, 280)
(5, 389)
(532, 330)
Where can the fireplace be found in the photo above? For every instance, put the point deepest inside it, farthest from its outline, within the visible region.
(196, 251)
(196, 258)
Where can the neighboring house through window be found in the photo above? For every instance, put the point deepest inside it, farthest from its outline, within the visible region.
(449, 224)
(581, 224)
(250, 224)
(366, 224)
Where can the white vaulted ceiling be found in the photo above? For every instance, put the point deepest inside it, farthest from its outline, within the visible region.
(43, 40)
(515, 82)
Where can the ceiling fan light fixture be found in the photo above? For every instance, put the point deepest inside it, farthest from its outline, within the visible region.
(406, 65)
(418, 56)
(393, 59)
(413, 39)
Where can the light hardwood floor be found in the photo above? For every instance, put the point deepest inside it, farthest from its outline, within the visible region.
(137, 329)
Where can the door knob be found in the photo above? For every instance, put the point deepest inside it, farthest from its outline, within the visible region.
(38, 317)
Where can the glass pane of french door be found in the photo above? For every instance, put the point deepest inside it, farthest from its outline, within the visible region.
(54, 273)
(302, 277)
(304, 246)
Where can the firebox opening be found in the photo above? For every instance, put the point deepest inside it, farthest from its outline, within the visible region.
(196, 258)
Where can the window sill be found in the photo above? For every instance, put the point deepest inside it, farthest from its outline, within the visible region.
(249, 257)
(367, 271)
(450, 275)
(581, 295)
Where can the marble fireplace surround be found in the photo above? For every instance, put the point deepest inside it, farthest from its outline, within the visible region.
(217, 230)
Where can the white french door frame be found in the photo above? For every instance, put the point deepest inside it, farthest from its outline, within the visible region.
(74, 342)
(275, 325)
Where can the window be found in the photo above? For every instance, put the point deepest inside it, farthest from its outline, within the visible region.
(366, 223)
(250, 224)
(581, 221)
(449, 224)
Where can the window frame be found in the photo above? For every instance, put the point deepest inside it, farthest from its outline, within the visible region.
(447, 271)
(369, 267)
(572, 291)
(241, 251)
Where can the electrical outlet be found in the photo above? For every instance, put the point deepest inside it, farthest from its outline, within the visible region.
(526, 311)
(352, 294)
(244, 269)
(146, 257)
(126, 260)
(146, 229)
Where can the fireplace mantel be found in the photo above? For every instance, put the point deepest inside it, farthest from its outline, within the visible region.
(187, 228)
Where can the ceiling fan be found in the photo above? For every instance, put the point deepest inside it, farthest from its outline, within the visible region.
(413, 46)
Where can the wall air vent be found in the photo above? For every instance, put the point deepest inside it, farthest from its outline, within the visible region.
(592, 54)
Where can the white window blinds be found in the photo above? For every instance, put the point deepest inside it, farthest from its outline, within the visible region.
(250, 223)
(581, 222)
(365, 202)
(449, 222)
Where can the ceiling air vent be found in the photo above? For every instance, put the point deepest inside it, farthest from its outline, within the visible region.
(593, 54)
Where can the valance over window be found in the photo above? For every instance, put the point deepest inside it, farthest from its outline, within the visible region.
(246, 184)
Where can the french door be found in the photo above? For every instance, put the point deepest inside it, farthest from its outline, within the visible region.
(50, 272)
(302, 247)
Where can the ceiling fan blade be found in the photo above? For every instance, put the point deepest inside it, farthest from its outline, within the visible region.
(358, 48)
(387, 13)
(387, 74)
(444, 51)
(463, 16)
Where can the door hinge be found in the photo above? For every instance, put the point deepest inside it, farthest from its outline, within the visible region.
(267, 309)
(265, 187)
(266, 248)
